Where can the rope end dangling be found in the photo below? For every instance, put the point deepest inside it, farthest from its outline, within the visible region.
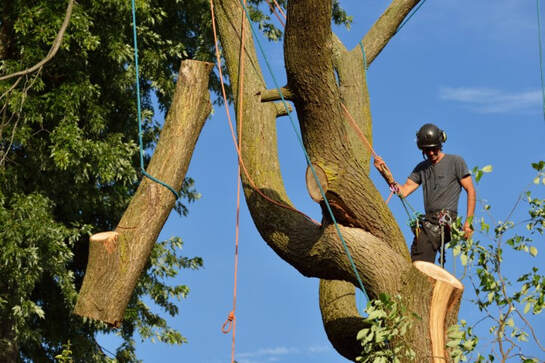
(228, 325)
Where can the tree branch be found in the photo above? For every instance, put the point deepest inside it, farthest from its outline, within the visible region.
(54, 48)
(385, 28)
(340, 316)
(115, 267)
(274, 95)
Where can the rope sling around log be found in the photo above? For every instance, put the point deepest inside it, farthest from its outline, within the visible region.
(112, 236)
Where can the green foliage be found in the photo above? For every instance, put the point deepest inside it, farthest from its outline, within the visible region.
(461, 341)
(66, 354)
(388, 322)
(505, 300)
(69, 163)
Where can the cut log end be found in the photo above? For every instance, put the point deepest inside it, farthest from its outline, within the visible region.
(108, 239)
(312, 186)
(438, 273)
(447, 288)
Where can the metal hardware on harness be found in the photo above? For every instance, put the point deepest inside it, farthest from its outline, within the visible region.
(444, 220)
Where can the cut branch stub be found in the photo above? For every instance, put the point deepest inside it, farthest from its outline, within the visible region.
(447, 291)
(108, 239)
(312, 186)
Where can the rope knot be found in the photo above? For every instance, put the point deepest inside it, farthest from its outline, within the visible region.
(228, 325)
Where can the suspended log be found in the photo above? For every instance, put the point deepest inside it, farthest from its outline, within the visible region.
(447, 291)
(115, 265)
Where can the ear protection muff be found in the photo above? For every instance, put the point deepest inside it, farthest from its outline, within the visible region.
(443, 136)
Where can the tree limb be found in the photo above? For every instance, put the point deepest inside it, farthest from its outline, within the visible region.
(54, 48)
(385, 28)
(274, 95)
(114, 268)
(340, 316)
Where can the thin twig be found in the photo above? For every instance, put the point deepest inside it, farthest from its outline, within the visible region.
(24, 94)
(531, 330)
(54, 48)
(11, 88)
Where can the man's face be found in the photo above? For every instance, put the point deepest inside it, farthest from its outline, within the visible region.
(432, 153)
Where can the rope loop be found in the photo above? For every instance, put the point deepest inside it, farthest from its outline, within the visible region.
(228, 325)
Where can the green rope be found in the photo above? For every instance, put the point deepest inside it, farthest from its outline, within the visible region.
(300, 140)
(139, 107)
(540, 56)
(410, 16)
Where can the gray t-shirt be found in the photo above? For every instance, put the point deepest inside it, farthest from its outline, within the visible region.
(441, 182)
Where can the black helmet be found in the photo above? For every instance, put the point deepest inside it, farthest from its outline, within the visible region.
(430, 136)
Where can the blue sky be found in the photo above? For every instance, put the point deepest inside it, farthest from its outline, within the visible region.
(471, 67)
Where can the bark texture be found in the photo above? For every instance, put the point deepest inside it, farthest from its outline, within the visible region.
(114, 268)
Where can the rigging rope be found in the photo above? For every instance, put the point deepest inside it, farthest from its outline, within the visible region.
(539, 30)
(404, 22)
(139, 108)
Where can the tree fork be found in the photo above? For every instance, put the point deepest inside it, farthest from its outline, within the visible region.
(114, 267)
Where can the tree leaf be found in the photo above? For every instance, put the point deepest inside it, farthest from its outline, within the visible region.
(487, 169)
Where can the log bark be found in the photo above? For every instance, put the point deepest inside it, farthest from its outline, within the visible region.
(114, 267)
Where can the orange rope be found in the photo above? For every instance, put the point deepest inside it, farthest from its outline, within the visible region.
(371, 150)
(271, 6)
(230, 323)
(280, 9)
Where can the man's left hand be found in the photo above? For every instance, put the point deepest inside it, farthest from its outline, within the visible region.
(468, 230)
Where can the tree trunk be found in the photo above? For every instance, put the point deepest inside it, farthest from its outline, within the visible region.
(114, 267)
(322, 76)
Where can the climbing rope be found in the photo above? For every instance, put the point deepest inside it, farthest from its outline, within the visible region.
(365, 66)
(539, 30)
(139, 108)
(410, 16)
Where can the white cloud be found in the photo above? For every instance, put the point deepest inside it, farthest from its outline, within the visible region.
(269, 352)
(318, 349)
(487, 100)
(275, 354)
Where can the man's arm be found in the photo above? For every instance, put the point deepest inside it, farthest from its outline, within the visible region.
(407, 188)
(467, 184)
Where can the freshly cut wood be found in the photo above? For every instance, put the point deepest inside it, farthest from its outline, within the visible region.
(447, 291)
(111, 276)
(108, 239)
(312, 186)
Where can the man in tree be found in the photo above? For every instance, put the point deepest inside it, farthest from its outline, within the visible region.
(442, 177)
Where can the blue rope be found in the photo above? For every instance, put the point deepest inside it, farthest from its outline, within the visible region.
(410, 16)
(139, 114)
(540, 56)
(300, 140)
(365, 66)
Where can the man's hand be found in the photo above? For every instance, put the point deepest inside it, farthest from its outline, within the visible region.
(468, 230)
(378, 162)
